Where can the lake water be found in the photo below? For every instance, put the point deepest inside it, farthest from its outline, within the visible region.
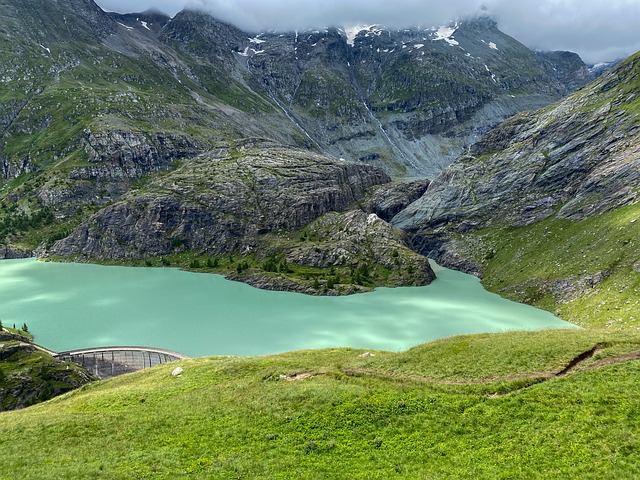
(69, 306)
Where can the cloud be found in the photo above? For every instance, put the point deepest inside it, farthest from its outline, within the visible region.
(289, 15)
(170, 7)
(598, 30)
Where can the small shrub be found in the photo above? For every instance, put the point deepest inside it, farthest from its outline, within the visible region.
(309, 447)
(242, 266)
(283, 267)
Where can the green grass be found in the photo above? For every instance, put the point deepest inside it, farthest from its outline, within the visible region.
(238, 418)
(524, 264)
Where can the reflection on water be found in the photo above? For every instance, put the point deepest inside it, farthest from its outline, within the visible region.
(71, 306)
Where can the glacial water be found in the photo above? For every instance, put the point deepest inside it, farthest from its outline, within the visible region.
(70, 306)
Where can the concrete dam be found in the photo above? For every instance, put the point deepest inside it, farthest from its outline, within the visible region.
(107, 362)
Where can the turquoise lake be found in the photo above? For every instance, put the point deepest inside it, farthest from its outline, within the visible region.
(69, 306)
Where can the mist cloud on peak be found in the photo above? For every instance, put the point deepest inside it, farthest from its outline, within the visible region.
(599, 30)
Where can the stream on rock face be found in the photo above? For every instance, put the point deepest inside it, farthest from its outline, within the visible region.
(68, 306)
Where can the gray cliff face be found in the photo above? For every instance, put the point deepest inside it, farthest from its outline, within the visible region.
(7, 253)
(115, 159)
(119, 155)
(386, 201)
(575, 159)
(221, 202)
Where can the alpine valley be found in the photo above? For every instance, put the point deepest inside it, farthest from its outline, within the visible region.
(329, 162)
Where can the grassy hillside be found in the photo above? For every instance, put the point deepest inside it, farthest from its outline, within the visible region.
(483, 406)
(586, 272)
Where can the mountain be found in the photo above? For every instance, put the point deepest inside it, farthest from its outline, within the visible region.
(104, 114)
(410, 99)
(545, 205)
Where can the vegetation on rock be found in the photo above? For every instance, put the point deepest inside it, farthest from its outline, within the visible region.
(29, 375)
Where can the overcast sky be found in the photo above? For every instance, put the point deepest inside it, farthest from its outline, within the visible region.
(599, 30)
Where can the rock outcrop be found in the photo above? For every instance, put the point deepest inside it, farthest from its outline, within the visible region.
(388, 200)
(342, 253)
(221, 202)
(339, 239)
(7, 252)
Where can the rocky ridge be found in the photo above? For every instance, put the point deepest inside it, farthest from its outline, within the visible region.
(573, 160)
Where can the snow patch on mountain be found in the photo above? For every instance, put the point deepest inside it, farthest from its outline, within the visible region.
(352, 32)
(446, 34)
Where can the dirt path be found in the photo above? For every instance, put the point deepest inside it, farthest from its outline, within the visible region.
(536, 377)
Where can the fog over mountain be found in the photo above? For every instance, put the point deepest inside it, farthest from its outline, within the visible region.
(597, 30)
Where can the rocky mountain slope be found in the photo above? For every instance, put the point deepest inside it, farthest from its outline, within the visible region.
(410, 99)
(573, 166)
